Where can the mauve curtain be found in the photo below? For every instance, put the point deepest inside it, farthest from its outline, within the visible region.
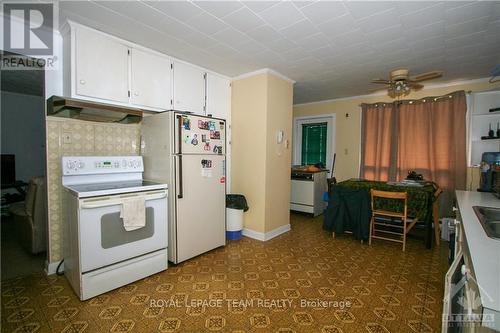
(378, 125)
(432, 142)
(427, 136)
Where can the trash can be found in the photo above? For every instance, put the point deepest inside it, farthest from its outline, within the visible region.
(236, 204)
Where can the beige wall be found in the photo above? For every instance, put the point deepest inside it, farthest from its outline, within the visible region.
(248, 140)
(262, 105)
(278, 156)
(87, 138)
(348, 129)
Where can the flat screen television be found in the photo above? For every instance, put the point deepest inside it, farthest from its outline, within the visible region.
(8, 166)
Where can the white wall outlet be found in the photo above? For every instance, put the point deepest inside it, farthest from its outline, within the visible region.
(66, 138)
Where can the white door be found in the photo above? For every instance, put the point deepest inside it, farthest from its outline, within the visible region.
(199, 135)
(218, 96)
(101, 67)
(151, 80)
(189, 88)
(201, 218)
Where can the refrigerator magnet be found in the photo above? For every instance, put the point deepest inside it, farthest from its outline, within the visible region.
(186, 123)
(187, 138)
(222, 179)
(207, 147)
(211, 125)
(203, 138)
(194, 141)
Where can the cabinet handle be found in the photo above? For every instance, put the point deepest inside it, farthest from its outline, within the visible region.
(82, 81)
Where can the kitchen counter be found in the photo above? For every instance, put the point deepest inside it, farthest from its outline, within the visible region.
(484, 251)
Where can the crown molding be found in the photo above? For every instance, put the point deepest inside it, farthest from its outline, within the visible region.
(264, 71)
(429, 86)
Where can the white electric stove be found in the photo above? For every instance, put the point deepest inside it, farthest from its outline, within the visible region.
(99, 254)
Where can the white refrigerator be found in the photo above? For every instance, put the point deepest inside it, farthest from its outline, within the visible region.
(188, 152)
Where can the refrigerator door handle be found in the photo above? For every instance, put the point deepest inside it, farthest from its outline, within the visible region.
(181, 190)
(179, 145)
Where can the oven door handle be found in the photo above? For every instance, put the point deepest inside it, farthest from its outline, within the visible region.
(114, 200)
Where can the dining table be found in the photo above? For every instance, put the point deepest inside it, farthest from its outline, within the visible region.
(422, 200)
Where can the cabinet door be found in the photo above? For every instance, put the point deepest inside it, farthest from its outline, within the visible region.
(151, 80)
(218, 96)
(189, 88)
(101, 67)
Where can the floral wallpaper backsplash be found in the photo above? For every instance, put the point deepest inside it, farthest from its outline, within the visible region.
(85, 138)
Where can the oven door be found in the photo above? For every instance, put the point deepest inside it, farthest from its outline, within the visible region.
(104, 241)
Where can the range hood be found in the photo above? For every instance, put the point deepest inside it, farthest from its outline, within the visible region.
(92, 111)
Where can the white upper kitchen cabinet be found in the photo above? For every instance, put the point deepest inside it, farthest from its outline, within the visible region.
(218, 96)
(99, 66)
(189, 88)
(151, 80)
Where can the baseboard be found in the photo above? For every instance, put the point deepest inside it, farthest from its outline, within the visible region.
(51, 268)
(268, 235)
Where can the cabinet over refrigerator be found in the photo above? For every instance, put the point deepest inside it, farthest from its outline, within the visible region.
(188, 152)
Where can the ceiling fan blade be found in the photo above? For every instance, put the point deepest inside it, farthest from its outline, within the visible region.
(382, 81)
(415, 85)
(427, 76)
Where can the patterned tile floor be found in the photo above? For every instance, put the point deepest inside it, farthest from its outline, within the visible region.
(302, 281)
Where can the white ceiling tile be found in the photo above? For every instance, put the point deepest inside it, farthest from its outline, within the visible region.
(257, 6)
(221, 50)
(471, 39)
(350, 38)
(280, 45)
(378, 21)
(281, 15)
(424, 32)
(314, 42)
(338, 26)
(231, 37)
(265, 32)
(219, 8)
(181, 10)
(395, 44)
(465, 28)
(135, 10)
(429, 43)
(243, 20)
(423, 17)
(299, 30)
(405, 7)
(468, 12)
(207, 24)
(200, 40)
(389, 33)
(304, 3)
(361, 9)
(322, 11)
(251, 47)
(173, 27)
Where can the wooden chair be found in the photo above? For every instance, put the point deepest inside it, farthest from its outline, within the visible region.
(405, 225)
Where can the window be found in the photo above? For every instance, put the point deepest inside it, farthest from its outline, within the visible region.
(314, 143)
(314, 140)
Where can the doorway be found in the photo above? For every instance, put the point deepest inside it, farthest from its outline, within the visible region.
(23, 155)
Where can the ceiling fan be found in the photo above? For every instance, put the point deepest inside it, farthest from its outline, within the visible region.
(401, 83)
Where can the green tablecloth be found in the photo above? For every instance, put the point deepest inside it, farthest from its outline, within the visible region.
(420, 199)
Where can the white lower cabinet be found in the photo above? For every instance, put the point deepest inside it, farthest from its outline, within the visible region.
(189, 88)
(151, 80)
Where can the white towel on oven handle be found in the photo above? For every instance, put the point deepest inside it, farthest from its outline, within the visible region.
(133, 213)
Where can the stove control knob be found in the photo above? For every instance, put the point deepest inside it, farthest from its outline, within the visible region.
(124, 163)
(131, 163)
(81, 165)
(136, 164)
